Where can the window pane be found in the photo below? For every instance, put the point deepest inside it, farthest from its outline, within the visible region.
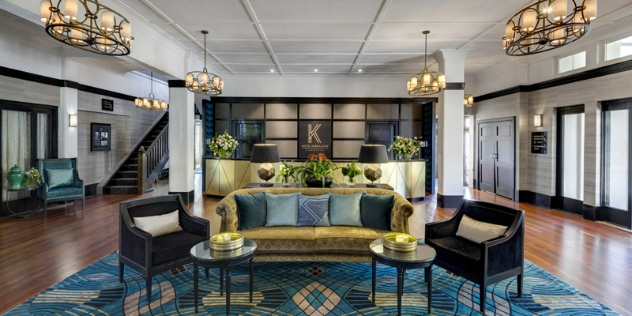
(42, 136)
(16, 145)
(566, 64)
(617, 146)
(618, 49)
(573, 135)
(579, 60)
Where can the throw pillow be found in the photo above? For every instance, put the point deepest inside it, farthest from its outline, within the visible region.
(251, 210)
(282, 209)
(60, 178)
(375, 211)
(313, 210)
(344, 209)
(478, 231)
(160, 224)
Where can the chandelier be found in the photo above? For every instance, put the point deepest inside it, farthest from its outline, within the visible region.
(203, 82)
(151, 103)
(547, 25)
(468, 101)
(87, 25)
(426, 82)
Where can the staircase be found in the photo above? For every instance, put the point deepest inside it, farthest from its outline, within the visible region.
(142, 166)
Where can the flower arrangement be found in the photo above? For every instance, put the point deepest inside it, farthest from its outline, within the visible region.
(351, 170)
(288, 170)
(316, 171)
(223, 145)
(405, 147)
(33, 178)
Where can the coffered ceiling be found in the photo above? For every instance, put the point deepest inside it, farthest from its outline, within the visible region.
(356, 37)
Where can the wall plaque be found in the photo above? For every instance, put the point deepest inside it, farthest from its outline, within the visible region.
(314, 137)
(107, 105)
(538, 142)
(100, 137)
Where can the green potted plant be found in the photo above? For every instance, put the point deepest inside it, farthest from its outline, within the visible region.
(288, 170)
(33, 178)
(405, 148)
(317, 171)
(351, 170)
(223, 145)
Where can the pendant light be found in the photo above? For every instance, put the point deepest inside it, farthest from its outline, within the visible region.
(203, 82)
(150, 103)
(426, 82)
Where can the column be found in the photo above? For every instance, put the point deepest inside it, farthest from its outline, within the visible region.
(68, 140)
(450, 143)
(181, 143)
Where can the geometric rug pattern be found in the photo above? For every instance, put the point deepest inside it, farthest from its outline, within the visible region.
(303, 289)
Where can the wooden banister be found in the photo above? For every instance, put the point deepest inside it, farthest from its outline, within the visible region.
(151, 159)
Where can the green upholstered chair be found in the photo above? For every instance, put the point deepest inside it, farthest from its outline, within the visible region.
(72, 190)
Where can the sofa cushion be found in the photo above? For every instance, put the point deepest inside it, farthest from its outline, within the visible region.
(313, 210)
(345, 238)
(282, 209)
(251, 210)
(457, 249)
(160, 224)
(375, 211)
(60, 178)
(478, 231)
(173, 246)
(344, 209)
(282, 238)
(64, 193)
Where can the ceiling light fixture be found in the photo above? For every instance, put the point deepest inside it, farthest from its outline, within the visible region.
(547, 25)
(271, 70)
(203, 82)
(91, 27)
(359, 70)
(151, 103)
(468, 101)
(315, 70)
(426, 82)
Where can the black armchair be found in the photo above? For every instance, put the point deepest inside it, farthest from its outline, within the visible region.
(488, 262)
(152, 255)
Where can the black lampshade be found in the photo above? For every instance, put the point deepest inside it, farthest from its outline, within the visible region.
(373, 153)
(264, 153)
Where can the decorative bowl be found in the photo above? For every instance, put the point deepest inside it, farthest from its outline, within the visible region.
(400, 242)
(227, 241)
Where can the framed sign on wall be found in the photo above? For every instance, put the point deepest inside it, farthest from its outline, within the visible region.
(538, 142)
(107, 105)
(314, 137)
(100, 137)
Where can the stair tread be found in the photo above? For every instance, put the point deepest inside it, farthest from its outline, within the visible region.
(121, 186)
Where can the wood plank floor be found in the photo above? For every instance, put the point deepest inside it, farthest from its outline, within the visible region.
(37, 252)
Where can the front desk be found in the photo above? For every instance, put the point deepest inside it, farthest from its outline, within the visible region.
(222, 176)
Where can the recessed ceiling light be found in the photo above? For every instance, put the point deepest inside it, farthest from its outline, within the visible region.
(271, 70)
(359, 70)
(315, 70)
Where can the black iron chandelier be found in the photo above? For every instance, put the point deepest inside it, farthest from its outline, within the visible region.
(87, 25)
(426, 82)
(151, 103)
(547, 25)
(203, 82)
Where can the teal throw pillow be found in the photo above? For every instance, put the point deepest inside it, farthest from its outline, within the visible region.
(60, 178)
(375, 211)
(282, 209)
(344, 209)
(251, 210)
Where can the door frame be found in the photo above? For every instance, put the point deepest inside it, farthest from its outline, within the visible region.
(559, 201)
(478, 150)
(601, 214)
(396, 132)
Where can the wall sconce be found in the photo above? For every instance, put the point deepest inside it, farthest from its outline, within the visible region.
(468, 101)
(73, 120)
(537, 120)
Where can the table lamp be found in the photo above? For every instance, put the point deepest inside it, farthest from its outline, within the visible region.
(373, 154)
(265, 154)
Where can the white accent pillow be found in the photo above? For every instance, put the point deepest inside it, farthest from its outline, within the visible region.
(478, 231)
(159, 225)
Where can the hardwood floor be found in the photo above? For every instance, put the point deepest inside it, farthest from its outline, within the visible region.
(39, 251)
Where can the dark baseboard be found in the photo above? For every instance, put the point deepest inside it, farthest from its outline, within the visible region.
(448, 201)
(417, 199)
(589, 212)
(534, 198)
(91, 189)
(187, 197)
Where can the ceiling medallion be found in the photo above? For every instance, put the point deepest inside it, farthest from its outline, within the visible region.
(547, 25)
(151, 103)
(426, 82)
(87, 25)
(203, 82)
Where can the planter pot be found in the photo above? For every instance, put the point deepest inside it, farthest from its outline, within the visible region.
(223, 155)
(350, 182)
(15, 177)
(406, 157)
(318, 183)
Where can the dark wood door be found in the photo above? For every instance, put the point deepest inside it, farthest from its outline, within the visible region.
(486, 157)
(381, 133)
(496, 157)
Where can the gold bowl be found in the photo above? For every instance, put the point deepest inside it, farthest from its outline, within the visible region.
(400, 242)
(227, 241)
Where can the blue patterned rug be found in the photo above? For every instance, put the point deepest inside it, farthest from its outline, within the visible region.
(303, 289)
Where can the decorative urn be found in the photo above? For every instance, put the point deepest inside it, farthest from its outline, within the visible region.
(15, 177)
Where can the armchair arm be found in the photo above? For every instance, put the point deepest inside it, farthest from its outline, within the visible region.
(442, 229)
(227, 209)
(194, 224)
(401, 211)
(134, 244)
(506, 252)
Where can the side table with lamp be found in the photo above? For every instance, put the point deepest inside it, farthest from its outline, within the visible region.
(265, 154)
(373, 154)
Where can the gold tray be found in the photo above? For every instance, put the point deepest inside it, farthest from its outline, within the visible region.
(236, 241)
(390, 242)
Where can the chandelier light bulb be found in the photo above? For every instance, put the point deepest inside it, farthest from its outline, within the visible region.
(441, 81)
(76, 36)
(509, 32)
(221, 85)
(203, 78)
(560, 9)
(216, 80)
(71, 9)
(413, 82)
(209, 83)
(529, 20)
(195, 85)
(427, 78)
(590, 12)
(189, 80)
(138, 102)
(557, 37)
(45, 11)
(126, 30)
(164, 105)
(107, 21)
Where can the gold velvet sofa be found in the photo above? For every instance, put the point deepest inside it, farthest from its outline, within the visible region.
(334, 244)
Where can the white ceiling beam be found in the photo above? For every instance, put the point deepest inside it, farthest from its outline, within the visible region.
(369, 36)
(262, 34)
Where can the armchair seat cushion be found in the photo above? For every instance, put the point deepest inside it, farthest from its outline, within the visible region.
(68, 192)
(459, 251)
(173, 246)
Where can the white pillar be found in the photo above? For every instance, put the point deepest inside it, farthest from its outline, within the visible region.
(450, 144)
(68, 139)
(181, 141)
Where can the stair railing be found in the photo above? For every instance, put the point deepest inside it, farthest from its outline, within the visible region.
(151, 159)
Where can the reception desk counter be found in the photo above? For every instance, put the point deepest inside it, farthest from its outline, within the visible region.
(222, 176)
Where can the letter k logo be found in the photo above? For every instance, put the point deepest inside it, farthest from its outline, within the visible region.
(312, 133)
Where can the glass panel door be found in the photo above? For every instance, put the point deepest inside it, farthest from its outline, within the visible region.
(16, 145)
(616, 164)
(247, 133)
(569, 195)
